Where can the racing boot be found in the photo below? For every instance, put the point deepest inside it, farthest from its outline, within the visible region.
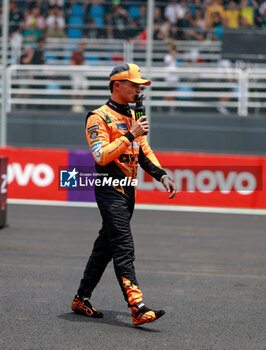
(141, 314)
(83, 306)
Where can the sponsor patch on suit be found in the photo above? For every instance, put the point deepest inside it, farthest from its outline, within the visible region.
(122, 126)
(95, 141)
(97, 145)
(107, 119)
(94, 127)
(93, 135)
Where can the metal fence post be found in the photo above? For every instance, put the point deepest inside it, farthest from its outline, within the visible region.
(8, 92)
(243, 93)
(5, 26)
(128, 50)
(149, 53)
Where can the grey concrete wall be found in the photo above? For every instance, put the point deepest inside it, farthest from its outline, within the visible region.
(211, 133)
(188, 132)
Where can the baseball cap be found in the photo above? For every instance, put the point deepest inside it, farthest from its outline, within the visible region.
(128, 71)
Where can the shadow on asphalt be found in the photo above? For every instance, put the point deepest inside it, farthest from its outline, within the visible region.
(110, 318)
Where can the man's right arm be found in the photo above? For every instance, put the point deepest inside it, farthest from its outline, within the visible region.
(98, 137)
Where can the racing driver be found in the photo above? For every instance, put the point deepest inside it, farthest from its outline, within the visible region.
(118, 145)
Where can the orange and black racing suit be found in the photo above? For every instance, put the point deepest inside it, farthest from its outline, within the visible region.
(117, 155)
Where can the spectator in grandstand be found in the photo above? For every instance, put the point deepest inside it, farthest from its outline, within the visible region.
(96, 15)
(224, 66)
(214, 7)
(171, 76)
(34, 55)
(243, 23)
(158, 17)
(78, 56)
(193, 6)
(40, 22)
(163, 31)
(158, 22)
(58, 3)
(186, 31)
(171, 11)
(170, 63)
(142, 20)
(15, 15)
(78, 78)
(134, 30)
(26, 56)
(262, 8)
(43, 6)
(15, 39)
(261, 19)
(31, 34)
(216, 26)
(171, 33)
(247, 10)
(233, 14)
(199, 21)
(117, 21)
(182, 24)
(91, 31)
(55, 23)
(194, 34)
(181, 10)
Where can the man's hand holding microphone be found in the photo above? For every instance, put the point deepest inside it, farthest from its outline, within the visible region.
(141, 124)
(140, 127)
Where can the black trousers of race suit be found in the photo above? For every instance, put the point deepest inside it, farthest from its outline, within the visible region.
(115, 239)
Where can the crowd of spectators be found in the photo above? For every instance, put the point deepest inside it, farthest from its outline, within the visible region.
(114, 19)
(32, 22)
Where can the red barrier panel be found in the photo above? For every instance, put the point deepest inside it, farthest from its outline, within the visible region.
(3, 191)
(202, 179)
(209, 180)
(33, 173)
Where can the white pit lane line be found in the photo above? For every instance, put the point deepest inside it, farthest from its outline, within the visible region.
(189, 209)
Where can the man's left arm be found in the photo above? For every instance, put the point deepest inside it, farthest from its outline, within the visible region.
(151, 165)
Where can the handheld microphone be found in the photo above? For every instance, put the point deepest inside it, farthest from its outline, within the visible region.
(140, 109)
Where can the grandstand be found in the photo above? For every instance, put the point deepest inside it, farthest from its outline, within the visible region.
(217, 66)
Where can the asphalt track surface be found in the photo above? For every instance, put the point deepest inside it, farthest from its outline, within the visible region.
(207, 271)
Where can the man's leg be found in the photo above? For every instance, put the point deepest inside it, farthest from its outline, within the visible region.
(95, 267)
(116, 210)
(96, 264)
(117, 213)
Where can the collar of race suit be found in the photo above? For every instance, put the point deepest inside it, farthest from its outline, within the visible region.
(122, 109)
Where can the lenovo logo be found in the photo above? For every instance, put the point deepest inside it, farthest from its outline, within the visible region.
(236, 179)
(41, 175)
